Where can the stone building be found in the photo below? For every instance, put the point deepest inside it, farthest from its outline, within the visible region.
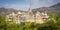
(27, 16)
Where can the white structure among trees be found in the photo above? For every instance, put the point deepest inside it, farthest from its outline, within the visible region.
(27, 17)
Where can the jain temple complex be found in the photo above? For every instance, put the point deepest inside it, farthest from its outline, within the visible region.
(27, 17)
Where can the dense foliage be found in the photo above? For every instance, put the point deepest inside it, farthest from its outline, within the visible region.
(52, 24)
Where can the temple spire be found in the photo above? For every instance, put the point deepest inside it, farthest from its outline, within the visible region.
(30, 8)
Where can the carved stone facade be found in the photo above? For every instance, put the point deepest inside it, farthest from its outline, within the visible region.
(27, 17)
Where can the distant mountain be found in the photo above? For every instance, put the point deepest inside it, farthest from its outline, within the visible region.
(40, 9)
(56, 5)
(5, 11)
(55, 9)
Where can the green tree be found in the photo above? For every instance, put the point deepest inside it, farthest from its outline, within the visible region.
(2, 23)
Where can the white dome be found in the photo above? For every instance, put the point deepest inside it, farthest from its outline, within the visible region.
(42, 13)
(19, 13)
(11, 14)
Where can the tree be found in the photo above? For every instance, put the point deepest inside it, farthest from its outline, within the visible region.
(2, 23)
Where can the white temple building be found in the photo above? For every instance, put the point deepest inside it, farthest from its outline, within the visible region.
(27, 17)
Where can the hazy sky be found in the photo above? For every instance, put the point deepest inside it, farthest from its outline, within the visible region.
(24, 4)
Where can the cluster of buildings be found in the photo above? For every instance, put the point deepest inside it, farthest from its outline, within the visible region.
(38, 17)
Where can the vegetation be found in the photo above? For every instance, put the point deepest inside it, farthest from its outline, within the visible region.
(52, 24)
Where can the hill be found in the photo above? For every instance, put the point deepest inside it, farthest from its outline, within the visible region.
(5, 11)
(55, 9)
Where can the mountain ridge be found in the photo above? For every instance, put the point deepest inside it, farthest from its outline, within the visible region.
(55, 9)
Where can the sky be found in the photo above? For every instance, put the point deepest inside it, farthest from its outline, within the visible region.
(25, 4)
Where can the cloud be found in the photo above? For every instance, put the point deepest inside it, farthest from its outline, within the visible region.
(17, 6)
(35, 4)
(24, 4)
(33, 1)
(38, 2)
(50, 1)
